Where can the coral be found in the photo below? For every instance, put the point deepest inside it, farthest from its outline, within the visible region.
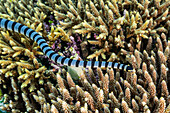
(108, 93)
(115, 30)
(24, 12)
(115, 23)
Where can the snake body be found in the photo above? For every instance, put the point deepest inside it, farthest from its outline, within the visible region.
(19, 28)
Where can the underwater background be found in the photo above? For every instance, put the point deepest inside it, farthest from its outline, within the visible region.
(134, 32)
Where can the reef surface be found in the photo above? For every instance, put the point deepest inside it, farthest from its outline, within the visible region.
(134, 32)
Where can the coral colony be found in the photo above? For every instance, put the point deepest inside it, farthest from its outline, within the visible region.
(134, 33)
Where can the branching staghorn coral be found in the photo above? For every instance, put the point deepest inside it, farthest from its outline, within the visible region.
(16, 56)
(108, 93)
(41, 90)
(19, 66)
(114, 22)
(21, 11)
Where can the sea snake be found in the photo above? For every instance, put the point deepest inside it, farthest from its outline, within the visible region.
(17, 27)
